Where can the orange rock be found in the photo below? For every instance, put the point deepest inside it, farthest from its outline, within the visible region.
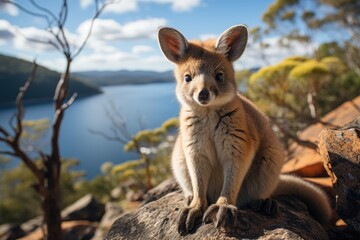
(307, 162)
(324, 182)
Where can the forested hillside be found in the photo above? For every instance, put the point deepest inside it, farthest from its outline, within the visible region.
(109, 78)
(14, 72)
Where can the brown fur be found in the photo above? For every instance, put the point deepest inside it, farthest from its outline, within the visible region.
(226, 154)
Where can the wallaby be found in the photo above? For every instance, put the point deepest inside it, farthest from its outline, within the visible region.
(226, 154)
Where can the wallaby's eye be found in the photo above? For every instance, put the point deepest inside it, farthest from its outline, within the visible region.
(219, 77)
(187, 78)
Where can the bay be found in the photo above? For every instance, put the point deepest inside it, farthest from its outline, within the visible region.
(150, 104)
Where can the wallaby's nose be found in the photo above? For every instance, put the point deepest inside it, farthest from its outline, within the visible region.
(203, 95)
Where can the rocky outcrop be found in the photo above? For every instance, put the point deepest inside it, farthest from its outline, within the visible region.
(308, 162)
(167, 186)
(10, 231)
(79, 220)
(341, 151)
(72, 230)
(112, 212)
(158, 220)
(86, 208)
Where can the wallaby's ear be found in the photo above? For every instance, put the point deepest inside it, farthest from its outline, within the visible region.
(172, 43)
(232, 42)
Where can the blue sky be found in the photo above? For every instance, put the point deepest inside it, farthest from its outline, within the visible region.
(124, 37)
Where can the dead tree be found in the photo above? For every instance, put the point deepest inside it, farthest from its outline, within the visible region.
(47, 173)
(120, 133)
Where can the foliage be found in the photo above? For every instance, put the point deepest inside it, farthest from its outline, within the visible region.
(299, 90)
(19, 200)
(150, 145)
(302, 20)
(34, 134)
(150, 138)
(241, 78)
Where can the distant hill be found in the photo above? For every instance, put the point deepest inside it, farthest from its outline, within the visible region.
(109, 78)
(14, 72)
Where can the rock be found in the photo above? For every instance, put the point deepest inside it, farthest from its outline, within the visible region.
(10, 232)
(158, 220)
(307, 162)
(32, 224)
(341, 231)
(112, 212)
(341, 152)
(72, 230)
(116, 193)
(86, 208)
(133, 196)
(167, 186)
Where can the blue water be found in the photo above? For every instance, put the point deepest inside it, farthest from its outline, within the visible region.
(152, 103)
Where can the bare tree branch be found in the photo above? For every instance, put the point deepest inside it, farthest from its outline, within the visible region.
(69, 102)
(44, 16)
(4, 132)
(97, 13)
(8, 153)
(48, 174)
(14, 142)
(19, 103)
(3, 139)
(63, 13)
(45, 10)
(293, 137)
(108, 137)
(62, 19)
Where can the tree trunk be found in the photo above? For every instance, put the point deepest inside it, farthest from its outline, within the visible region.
(311, 105)
(51, 201)
(148, 173)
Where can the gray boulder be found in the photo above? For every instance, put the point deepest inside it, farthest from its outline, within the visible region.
(112, 212)
(10, 232)
(86, 208)
(158, 220)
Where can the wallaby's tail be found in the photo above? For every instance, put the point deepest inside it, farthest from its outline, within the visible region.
(315, 199)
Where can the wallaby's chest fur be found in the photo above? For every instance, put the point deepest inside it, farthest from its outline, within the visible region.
(223, 129)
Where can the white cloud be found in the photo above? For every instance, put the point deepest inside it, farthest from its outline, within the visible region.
(33, 39)
(122, 6)
(208, 36)
(85, 3)
(142, 49)
(117, 6)
(274, 53)
(178, 5)
(6, 31)
(9, 8)
(119, 60)
(184, 5)
(29, 38)
(109, 29)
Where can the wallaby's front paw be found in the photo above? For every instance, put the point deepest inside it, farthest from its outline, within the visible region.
(189, 218)
(221, 214)
(266, 206)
